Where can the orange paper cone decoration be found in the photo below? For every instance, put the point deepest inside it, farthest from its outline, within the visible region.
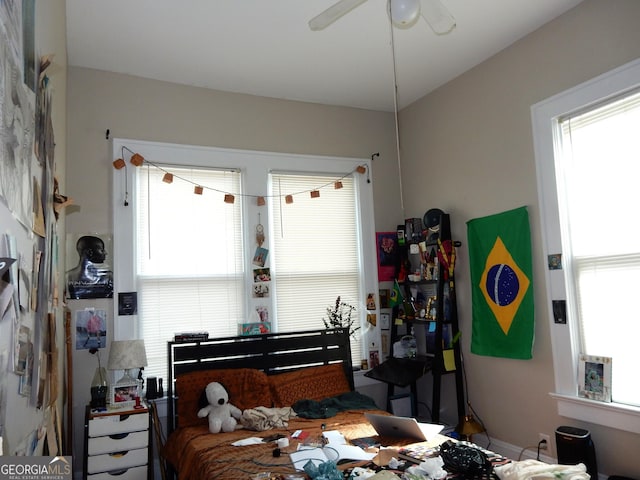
(137, 159)
(119, 163)
(168, 178)
(228, 198)
(261, 201)
(197, 190)
(288, 199)
(361, 169)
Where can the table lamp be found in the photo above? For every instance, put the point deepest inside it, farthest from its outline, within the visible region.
(127, 355)
(469, 426)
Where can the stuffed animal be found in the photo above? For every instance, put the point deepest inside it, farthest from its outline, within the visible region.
(222, 415)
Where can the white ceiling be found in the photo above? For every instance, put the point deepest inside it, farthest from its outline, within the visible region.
(264, 47)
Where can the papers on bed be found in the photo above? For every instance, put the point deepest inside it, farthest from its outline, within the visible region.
(335, 449)
(247, 441)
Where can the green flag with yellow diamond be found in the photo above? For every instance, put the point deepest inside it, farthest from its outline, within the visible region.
(396, 297)
(501, 284)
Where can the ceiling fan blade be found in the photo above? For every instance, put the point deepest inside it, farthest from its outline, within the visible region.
(437, 16)
(333, 13)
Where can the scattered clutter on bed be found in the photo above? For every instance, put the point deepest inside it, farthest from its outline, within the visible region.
(295, 424)
(307, 402)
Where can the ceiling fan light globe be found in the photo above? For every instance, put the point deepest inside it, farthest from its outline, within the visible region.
(404, 13)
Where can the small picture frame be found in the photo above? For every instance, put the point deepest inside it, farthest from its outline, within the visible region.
(385, 321)
(432, 312)
(594, 377)
(123, 395)
(383, 294)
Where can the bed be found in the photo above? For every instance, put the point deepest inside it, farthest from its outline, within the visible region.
(276, 370)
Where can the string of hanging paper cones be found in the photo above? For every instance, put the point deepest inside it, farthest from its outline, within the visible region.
(138, 160)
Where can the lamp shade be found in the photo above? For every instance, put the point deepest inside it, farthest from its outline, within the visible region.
(126, 354)
(469, 426)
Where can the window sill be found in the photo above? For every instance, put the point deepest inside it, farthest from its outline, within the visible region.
(614, 415)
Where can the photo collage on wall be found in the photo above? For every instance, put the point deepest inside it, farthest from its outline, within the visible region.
(259, 321)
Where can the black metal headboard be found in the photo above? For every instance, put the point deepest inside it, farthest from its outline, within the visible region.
(270, 352)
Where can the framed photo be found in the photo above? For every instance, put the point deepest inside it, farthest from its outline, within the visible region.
(123, 395)
(385, 321)
(384, 297)
(384, 344)
(594, 377)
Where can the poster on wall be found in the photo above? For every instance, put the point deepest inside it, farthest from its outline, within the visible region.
(92, 276)
(17, 123)
(387, 247)
(91, 329)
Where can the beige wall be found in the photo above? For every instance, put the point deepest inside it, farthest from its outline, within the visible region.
(137, 108)
(467, 148)
(142, 109)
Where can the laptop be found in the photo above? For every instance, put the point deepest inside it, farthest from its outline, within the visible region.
(407, 427)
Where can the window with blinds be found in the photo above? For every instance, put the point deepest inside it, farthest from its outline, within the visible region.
(316, 251)
(201, 263)
(598, 171)
(189, 257)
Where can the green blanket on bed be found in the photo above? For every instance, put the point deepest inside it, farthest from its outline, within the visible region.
(329, 407)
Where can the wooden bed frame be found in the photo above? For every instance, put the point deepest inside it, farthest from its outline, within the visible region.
(272, 353)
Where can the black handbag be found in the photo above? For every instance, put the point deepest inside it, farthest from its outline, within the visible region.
(460, 458)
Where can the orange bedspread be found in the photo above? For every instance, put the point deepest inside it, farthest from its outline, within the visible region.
(197, 454)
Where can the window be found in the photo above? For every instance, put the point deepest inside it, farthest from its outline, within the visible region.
(588, 161)
(191, 258)
(316, 254)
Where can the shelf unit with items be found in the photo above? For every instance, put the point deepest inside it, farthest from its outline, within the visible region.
(428, 317)
(118, 443)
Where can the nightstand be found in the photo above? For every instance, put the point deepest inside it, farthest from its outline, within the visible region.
(118, 442)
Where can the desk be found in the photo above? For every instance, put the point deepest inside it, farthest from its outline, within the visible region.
(401, 372)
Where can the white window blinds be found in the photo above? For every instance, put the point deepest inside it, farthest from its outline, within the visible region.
(317, 253)
(189, 253)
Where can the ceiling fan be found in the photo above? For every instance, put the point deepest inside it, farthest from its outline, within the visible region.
(404, 14)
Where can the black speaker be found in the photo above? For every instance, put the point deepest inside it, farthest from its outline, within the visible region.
(575, 446)
(152, 388)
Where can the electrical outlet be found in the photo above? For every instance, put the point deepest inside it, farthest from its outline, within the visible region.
(543, 437)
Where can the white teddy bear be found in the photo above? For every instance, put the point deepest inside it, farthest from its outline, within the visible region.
(222, 415)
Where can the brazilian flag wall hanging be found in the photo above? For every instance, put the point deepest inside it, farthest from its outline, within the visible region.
(501, 284)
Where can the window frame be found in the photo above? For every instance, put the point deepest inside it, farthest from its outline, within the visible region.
(255, 167)
(565, 337)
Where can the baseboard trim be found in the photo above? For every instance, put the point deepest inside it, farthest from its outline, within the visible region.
(513, 451)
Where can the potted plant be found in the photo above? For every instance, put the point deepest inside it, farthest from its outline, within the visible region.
(341, 316)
